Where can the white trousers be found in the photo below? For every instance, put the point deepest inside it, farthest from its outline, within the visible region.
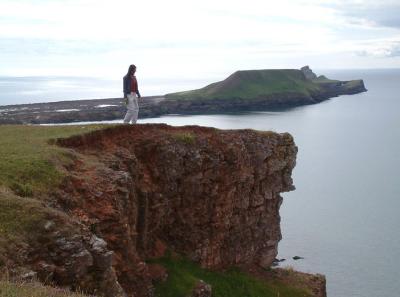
(133, 109)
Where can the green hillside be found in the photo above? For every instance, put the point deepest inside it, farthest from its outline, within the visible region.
(250, 84)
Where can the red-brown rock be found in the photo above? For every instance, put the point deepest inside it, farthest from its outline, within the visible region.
(201, 289)
(212, 195)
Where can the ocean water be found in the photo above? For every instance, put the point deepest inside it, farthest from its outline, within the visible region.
(21, 90)
(36, 89)
(343, 218)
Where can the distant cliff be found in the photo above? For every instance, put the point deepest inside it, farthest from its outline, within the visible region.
(263, 90)
(250, 90)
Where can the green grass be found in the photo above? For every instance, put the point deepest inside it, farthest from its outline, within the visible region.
(185, 137)
(27, 159)
(21, 289)
(20, 219)
(183, 274)
(19, 215)
(252, 84)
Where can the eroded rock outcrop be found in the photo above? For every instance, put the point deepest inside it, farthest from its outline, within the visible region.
(308, 73)
(212, 195)
(55, 248)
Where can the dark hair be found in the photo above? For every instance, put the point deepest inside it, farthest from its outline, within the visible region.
(131, 69)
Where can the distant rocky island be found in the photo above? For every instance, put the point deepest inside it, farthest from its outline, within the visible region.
(246, 90)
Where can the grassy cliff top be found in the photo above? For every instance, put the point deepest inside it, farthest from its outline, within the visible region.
(249, 84)
(28, 160)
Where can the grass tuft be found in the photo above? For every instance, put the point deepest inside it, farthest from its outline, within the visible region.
(23, 190)
(185, 137)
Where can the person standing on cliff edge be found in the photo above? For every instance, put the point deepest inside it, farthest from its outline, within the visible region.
(131, 96)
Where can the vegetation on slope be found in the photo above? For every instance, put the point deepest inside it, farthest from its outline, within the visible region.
(27, 159)
(19, 218)
(22, 289)
(183, 275)
(250, 84)
(29, 227)
(28, 167)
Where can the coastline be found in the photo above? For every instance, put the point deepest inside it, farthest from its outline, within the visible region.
(155, 106)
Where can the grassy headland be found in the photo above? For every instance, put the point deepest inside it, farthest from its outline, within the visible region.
(259, 84)
(250, 84)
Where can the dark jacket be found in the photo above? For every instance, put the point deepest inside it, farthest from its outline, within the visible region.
(130, 86)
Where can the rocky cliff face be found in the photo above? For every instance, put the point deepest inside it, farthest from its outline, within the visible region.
(308, 73)
(209, 194)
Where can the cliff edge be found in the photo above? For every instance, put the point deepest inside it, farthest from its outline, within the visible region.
(209, 194)
(135, 193)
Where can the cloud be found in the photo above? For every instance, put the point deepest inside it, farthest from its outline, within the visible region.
(48, 47)
(369, 13)
(389, 50)
(176, 36)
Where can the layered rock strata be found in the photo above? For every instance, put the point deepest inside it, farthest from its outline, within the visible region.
(209, 194)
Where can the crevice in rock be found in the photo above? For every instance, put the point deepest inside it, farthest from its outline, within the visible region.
(142, 224)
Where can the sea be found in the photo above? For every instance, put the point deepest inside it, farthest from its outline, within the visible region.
(344, 216)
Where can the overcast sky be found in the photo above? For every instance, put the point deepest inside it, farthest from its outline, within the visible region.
(187, 39)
